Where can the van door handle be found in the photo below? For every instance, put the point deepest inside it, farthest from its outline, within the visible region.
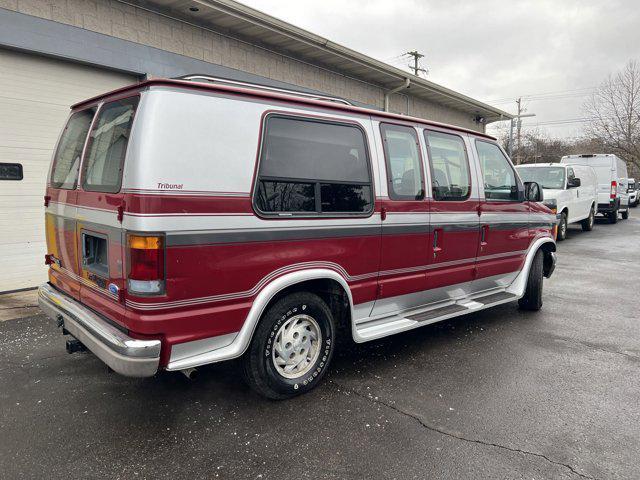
(437, 241)
(484, 230)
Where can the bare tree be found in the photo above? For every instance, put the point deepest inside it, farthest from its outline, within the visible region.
(615, 112)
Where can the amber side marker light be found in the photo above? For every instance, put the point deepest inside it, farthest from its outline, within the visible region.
(146, 264)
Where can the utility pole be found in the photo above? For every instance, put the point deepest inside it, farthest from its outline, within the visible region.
(416, 67)
(518, 119)
(519, 129)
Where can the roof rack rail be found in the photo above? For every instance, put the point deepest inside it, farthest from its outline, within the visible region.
(257, 86)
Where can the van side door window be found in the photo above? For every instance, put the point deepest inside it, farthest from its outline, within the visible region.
(403, 162)
(500, 181)
(571, 175)
(450, 177)
(310, 166)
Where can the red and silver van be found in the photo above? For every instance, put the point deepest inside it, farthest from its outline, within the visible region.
(191, 222)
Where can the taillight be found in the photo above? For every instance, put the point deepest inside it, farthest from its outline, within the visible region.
(614, 189)
(146, 264)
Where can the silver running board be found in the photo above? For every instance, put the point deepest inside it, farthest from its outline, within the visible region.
(373, 328)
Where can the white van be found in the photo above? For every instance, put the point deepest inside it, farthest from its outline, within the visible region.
(569, 190)
(633, 189)
(611, 171)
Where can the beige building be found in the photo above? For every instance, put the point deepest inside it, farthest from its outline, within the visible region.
(56, 52)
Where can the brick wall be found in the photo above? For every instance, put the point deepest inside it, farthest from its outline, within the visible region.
(123, 21)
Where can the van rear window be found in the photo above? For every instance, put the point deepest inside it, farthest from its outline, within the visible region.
(102, 171)
(67, 158)
(312, 166)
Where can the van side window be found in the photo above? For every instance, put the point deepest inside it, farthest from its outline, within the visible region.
(450, 177)
(499, 177)
(102, 170)
(404, 164)
(66, 160)
(312, 166)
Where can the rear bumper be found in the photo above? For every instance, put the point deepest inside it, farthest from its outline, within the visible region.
(608, 207)
(123, 354)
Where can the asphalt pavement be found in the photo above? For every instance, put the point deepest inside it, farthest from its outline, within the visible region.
(498, 394)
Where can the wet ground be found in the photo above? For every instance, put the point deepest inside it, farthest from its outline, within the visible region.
(498, 394)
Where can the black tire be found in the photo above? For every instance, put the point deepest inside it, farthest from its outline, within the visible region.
(259, 361)
(562, 227)
(625, 214)
(613, 216)
(532, 299)
(587, 223)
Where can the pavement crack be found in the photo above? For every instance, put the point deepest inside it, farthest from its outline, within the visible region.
(441, 431)
(600, 348)
(18, 308)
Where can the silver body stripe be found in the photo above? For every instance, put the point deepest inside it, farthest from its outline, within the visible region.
(307, 265)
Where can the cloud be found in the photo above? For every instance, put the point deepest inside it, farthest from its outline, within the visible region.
(490, 50)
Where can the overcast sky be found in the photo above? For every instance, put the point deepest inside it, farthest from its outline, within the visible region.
(494, 50)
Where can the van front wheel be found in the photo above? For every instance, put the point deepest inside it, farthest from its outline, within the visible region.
(532, 299)
(291, 348)
(562, 227)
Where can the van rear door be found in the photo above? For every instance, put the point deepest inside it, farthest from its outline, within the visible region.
(603, 167)
(99, 233)
(61, 199)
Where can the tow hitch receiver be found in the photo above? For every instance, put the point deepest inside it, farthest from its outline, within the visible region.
(74, 346)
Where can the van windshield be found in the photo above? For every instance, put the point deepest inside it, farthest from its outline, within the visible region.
(546, 177)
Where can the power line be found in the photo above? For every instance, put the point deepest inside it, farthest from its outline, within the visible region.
(557, 93)
(542, 99)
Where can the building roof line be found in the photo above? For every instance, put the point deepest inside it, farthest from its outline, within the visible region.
(242, 11)
(379, 73)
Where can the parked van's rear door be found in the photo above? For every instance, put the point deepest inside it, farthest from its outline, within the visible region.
(604, 169)
(61, 199)
(504, 219)
(100, 203)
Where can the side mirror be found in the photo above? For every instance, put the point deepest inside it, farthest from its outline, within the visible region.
(533, 192)
(573, 183)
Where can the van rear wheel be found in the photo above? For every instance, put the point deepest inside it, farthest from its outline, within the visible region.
(613, 216)
(587, 223)
(532, 299)
(625, 214)
(291, 348)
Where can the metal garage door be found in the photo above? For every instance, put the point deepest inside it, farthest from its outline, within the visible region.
(35, 95)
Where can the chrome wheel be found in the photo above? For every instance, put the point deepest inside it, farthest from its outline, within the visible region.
(297, 346)
(591, 218)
